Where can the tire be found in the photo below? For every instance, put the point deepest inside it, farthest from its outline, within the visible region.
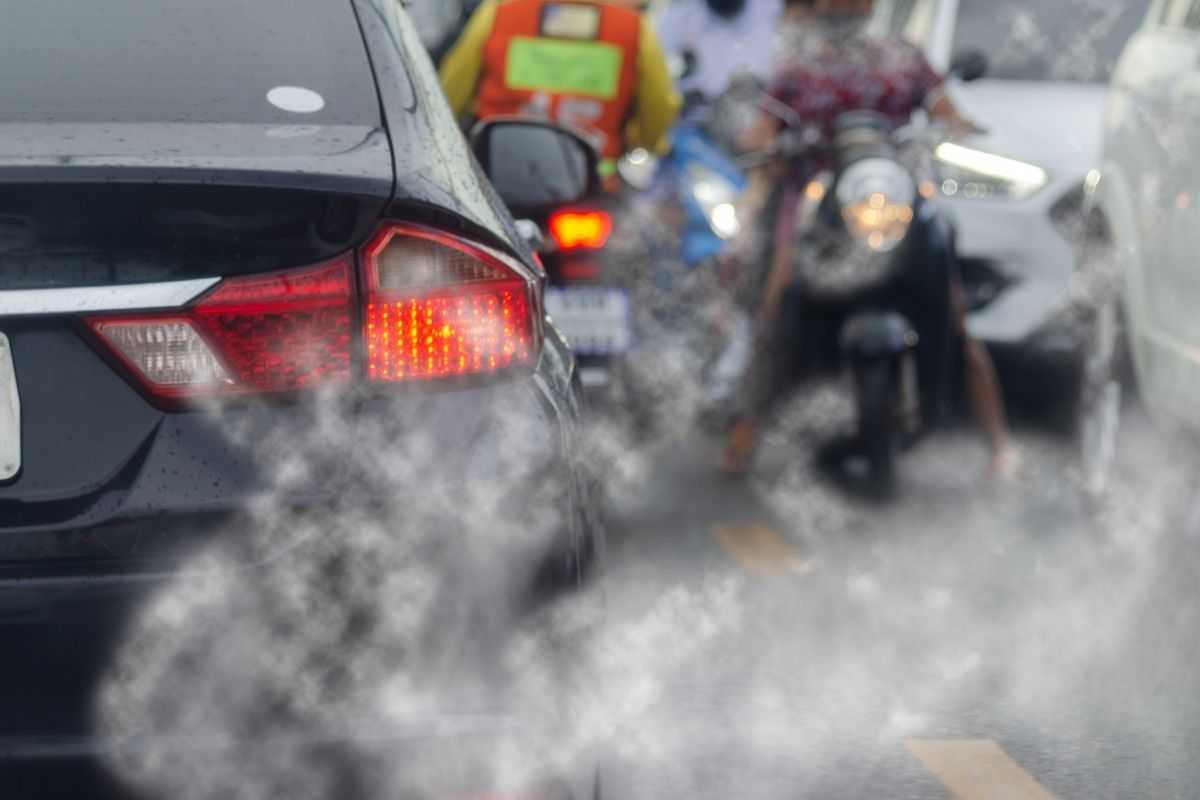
(631, 402)
(1106, 384)
(878, 431)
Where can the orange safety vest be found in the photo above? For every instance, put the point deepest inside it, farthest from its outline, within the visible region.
(570, 61)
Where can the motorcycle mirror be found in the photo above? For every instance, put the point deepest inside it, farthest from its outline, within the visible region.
(969, 65)
(683, 65)
(534, 164)
(531, 234)
(638, 169)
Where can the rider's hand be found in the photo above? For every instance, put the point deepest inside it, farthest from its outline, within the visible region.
(962, 128)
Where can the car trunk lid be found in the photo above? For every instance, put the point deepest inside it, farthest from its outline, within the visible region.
(122, 239)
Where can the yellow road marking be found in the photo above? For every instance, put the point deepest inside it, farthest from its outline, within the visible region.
(977, 770)
(760, 550)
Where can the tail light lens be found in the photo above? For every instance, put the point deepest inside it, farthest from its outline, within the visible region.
(433, 306)
(273, 333)
(580, 230)
(439, 307)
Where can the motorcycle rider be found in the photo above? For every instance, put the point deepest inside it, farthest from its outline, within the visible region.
(834, 66)
(594, 65)
(728, 37)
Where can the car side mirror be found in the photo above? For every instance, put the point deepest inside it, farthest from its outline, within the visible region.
(969, 65)
(534, 164)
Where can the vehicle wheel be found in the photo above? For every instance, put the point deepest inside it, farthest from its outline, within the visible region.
(630, 399)
(1106, 380)
(877, 428)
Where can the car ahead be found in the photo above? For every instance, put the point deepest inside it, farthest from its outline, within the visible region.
(1147, 190)
(247, 258)
(1033, 74)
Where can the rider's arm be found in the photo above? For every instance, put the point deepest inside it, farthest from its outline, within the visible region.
(658, 103)
(464, 63)
(935, 99)
(942, 108)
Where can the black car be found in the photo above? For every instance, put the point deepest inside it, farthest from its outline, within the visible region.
(256, 298)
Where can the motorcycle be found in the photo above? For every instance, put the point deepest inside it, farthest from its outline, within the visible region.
(700, 184)
(694, 191)
(864, 234)
(588, 281)
(627, 269)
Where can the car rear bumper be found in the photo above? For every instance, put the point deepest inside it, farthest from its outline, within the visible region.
(484, 486)
(453, 756)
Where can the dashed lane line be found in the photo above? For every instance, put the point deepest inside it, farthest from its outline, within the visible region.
(977, 770)
(761, 550)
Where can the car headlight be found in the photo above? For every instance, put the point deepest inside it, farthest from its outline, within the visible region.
(717, 197)
(876, 196)
(974, 174)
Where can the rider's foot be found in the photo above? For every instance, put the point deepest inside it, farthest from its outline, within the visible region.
(1006, 463)
(740, 448)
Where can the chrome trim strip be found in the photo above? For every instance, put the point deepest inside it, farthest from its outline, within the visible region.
(10, 414)
(91, 299)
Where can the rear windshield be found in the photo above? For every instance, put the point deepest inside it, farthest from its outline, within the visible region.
(221, 61)
(1048, 40)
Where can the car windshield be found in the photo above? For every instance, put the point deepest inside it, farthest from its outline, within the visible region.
(226, 61)
(1048, 40)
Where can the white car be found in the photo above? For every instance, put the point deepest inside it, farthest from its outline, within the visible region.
(1148, 190)
(1015, 193)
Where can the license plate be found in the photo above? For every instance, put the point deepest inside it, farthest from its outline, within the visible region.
(595, 321)
(10, 414)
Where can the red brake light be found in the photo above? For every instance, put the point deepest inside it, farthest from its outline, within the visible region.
(270, 333)
(581, 230)
(440, 307)
(433, 306)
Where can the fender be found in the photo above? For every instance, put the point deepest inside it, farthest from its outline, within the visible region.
(876, 335)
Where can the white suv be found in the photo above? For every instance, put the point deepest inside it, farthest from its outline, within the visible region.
(1015, 193)
(1148, 189)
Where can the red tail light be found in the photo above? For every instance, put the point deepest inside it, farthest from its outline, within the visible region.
(433, 306)
(581, 230)
(272, 333)
(439, 307)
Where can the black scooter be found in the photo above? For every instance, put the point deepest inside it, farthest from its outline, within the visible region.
(871, 295)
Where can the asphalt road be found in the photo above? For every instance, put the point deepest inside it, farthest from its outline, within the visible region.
(969, 641)
(777, 638)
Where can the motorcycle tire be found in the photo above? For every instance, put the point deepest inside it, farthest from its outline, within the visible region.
(878, 428)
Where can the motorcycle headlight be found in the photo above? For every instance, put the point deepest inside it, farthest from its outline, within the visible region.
(975, 174)
(717, 197)
(876, 197)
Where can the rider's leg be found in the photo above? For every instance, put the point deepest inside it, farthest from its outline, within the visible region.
(983, 389)
(781, 359)
(771, 370)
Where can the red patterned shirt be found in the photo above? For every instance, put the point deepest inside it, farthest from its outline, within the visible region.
(822, 77)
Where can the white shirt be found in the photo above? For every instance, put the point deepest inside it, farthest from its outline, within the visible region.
(723, 47)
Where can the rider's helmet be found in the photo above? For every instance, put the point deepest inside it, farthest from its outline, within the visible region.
(726, 8)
